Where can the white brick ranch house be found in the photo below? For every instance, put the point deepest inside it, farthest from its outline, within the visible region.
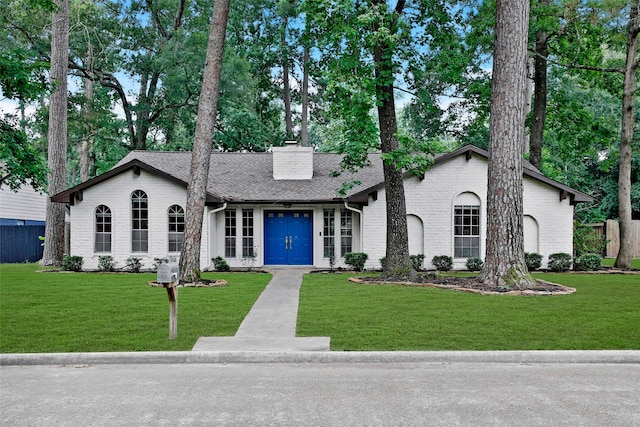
(282, 208)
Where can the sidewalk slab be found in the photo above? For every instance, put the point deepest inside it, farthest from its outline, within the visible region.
(275, 312)
(262, 344)
(322, 357)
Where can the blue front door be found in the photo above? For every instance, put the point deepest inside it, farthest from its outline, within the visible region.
(288, 238)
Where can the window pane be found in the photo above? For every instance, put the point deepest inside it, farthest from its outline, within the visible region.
(466, 231)
(139, 223)
(102, 237)
(230, 233)
(176, 228)
(329, 232)
(247, 233)
(346, 231)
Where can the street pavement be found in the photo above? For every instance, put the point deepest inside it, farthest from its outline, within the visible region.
(265, 376)
(321, 394)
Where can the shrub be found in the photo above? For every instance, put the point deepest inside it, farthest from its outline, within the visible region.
(220, 264)
(533, 260)
(587, 241)
(72, 263)
(134, 264)
(442, 262)
(106, 263)
(474, 264)
(560, 262)
(383, 263)
(417, 261)
(588, 262)
(356, 260)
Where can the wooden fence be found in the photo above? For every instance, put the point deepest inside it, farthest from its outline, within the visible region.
(20, 243)
(611, 231)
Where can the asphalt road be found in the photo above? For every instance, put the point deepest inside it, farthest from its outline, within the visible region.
(321, 394)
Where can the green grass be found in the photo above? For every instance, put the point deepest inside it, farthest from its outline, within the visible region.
(604, 313)
(635, 263)
(77, 312)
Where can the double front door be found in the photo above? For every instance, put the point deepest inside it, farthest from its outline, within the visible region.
(288, 237)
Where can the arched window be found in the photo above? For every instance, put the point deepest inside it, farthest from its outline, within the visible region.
(139, 221)
(103, 229)
(176, 228)
(415, 229)
(531, 239)
(466, 226)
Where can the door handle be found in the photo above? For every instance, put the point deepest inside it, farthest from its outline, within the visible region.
(290, 242)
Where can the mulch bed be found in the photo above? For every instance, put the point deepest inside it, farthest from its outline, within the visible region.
(469, 284)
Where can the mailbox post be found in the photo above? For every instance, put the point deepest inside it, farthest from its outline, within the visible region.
(168, 276)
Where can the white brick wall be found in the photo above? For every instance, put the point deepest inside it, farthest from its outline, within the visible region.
(217, 240)
(292, 162)
(116, 194)
(433, 198)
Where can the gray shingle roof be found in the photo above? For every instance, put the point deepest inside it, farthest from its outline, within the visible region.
(238, 177)
(248, 177)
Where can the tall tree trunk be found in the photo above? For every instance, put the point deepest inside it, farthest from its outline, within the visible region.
(304, 123)
(286, 86)
(202, 145)
(86, 141)
(539, 98)
(397, 261)
(504, 264)
(625, 253)
(57, 136)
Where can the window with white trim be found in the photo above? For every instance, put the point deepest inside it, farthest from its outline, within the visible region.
(139, 221)
(346, 231)
(176, 228)
(247, 233)
(230, 233)
(466, 231)
(103, 229)
(328, 232)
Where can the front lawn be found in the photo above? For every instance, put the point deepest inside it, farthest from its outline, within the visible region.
(604, 313)
(635, 263)
(78, 312)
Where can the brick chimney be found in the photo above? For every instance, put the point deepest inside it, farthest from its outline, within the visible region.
(292, 162)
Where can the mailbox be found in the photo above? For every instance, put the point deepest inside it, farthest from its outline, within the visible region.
(167, 272)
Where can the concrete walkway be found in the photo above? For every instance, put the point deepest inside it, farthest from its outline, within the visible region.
(271, 322)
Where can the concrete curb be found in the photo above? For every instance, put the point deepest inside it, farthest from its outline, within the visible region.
(222, 357)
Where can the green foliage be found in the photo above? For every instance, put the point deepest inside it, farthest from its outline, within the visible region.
(586, 240)
(72, 263)
(417, 261)
(21, 162)
(133, 264)
(474, 264)
(106, 263)
(356, 260)
(442, 262)
(21, 77)
(533, 260)
(220, 264)
(588, 262)
(560, 262)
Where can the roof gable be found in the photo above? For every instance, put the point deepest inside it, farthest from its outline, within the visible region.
(469, 151)
(242, 177)
(248, 177)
